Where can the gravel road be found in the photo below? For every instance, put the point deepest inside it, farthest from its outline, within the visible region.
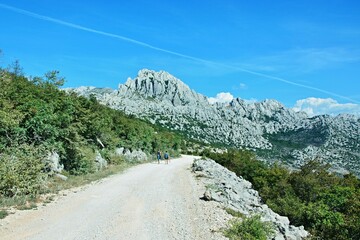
(149, 201)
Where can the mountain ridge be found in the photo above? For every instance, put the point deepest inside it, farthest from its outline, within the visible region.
(267, 127)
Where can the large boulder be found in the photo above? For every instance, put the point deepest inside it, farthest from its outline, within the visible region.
(52, 163)
(139, 156)
(100, 162)
(131, 156)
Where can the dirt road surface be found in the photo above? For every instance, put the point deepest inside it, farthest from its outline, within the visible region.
(149, 201)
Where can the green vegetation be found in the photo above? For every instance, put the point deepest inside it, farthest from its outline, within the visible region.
(3, 214)
(283, 143)
(234, 213)
(250, 228)
(300, 138)
(326, 205)
(37, 118)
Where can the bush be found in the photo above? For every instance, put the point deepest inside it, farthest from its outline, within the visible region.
(113, 158)
(81, 160)
(251, 228)
(21, 171)
(3, 214)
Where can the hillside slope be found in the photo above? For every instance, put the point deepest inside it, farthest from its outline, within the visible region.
(44, 131)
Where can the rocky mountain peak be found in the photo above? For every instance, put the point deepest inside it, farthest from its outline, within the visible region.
(161, 86)
(269, 104)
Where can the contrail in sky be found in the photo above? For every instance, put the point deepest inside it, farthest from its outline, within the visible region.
(123, 38)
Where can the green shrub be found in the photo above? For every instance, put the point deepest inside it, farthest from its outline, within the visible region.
(3, 214)
(115, 159)
(234, 213)
(81, 160)
(21, 171)
(251, 228)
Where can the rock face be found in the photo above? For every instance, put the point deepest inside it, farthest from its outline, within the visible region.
(53, 166)
(134, 156)
(52, 163)
(160, 86)
(272, 130)
(100, 162)
(236, 193)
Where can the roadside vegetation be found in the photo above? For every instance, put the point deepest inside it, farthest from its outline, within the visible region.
(36, 118)
(325, 204)
(250, 228)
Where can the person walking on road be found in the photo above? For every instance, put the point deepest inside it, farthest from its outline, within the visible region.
(166, 157)
(158, 156)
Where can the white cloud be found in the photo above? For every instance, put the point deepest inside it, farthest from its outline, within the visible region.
(317, 106)
(242, 86)
(221, 97)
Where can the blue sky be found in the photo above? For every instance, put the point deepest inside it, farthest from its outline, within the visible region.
(284, 50)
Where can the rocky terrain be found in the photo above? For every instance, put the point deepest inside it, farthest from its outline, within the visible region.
(268, 127)
(234, 192)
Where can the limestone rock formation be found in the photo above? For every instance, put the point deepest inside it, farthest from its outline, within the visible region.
(267, 127)
(100, 162)
(236, 193)
(131, 156)
(52, 163)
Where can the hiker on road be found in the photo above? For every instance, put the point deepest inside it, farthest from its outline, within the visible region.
(166, 157)
(158, 156)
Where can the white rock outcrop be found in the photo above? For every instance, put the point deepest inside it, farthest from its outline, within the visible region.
(52, 163)
(131, 156)
(236, 193)
(100, 162)
(163, 99)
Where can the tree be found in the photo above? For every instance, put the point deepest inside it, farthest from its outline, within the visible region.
(52, 77)
(16, 68)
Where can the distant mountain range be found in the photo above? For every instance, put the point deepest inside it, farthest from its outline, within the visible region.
(275, 132)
